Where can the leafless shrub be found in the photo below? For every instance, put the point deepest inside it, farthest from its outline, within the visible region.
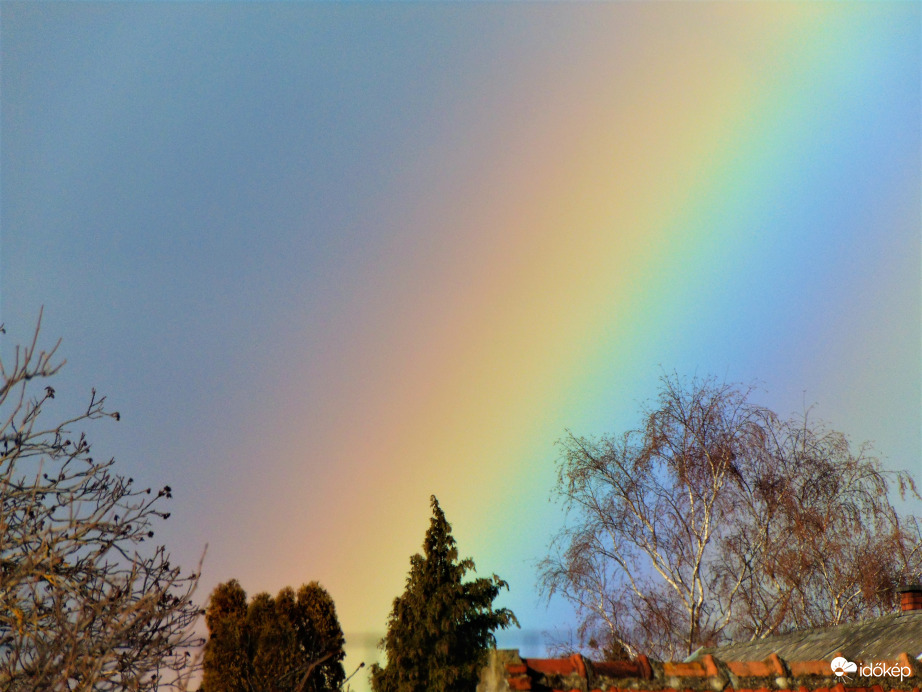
(83, 605)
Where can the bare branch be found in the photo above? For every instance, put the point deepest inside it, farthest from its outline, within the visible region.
(717, 520)
(82, 604)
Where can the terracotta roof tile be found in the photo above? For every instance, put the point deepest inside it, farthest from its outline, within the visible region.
(794, 662)
(508, 671)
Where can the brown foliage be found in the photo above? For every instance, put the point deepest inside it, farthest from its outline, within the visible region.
(290, 643)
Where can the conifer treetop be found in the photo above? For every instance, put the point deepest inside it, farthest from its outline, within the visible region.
(441, 627)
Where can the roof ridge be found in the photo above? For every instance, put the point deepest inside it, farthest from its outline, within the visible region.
(814, 630)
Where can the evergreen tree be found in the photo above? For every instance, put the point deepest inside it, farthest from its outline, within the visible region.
(440, 628)
(318, 634)
(292, 642)
(225, 658)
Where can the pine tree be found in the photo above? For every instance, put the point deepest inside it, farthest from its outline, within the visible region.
(440, 628)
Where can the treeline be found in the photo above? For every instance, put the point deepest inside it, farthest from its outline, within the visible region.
(713, 520)
(290, 642)
(88, 601)
(438, 630)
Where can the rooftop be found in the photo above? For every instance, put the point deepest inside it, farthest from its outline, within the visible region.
(877, 639)
(882, 656)
(508, 671)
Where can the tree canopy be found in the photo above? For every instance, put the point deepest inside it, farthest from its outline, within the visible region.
(717, 520)
(87, 600)
(292, 642)
(440, 628)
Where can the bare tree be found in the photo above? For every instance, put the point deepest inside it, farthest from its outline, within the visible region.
(718, 520)
(817, 538)
(82, 604)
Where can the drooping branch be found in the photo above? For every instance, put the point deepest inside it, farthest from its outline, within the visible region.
(716, 519)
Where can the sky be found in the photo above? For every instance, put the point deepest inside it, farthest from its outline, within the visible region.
(329, 259)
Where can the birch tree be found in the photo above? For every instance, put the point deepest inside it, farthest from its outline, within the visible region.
(717, 520)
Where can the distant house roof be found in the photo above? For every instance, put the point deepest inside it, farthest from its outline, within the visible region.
(796, 662)
(507, 671)
(877, 639)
